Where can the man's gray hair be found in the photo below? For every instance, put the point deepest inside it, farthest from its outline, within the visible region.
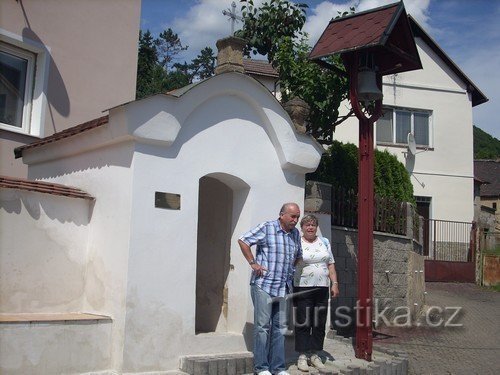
(286, 206)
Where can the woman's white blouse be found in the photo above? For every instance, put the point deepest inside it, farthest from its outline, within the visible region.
(312, 270)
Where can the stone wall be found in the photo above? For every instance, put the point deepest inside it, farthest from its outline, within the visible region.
(398, 276)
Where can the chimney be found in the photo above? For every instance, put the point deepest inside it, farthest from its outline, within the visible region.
(230, 55)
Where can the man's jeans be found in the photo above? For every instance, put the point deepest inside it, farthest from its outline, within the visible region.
(268, 339)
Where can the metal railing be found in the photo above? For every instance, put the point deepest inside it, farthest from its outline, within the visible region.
(389, 216)
(448, 240)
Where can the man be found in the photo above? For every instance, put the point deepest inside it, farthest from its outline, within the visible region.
(278, 249)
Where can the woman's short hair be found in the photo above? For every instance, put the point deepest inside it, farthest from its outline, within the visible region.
(309, 219)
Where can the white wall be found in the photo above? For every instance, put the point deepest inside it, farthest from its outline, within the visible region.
(445, 170)
(105, 174)
(43, 252)
(225, 137)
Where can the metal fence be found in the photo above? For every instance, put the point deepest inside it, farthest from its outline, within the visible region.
(448, 240)
(389, 216)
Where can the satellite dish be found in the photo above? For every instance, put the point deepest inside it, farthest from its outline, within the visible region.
(412, 145)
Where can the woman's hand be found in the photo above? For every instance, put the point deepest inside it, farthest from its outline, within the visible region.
(334, 290)
(258, 269)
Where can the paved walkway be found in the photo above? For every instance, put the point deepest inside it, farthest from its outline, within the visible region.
(473, 348)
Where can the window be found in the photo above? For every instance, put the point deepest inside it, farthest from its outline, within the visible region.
(16, 87)
(395, 124)
(24, 71)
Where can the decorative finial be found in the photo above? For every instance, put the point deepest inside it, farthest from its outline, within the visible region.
(231, 13)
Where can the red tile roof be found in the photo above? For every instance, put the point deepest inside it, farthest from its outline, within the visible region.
(18, 151)
(385, 28)
(43, 187)
(259, 67)
(357, 31)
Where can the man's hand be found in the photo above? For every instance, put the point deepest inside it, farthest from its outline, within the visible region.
(258, 269)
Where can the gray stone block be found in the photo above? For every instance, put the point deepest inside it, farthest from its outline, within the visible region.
(222, 366)
(200, 367)
(375, 369)
(355, 370)
(212, 367)
(240, 366)
(249, 365)
(189, 366)
(231, 366)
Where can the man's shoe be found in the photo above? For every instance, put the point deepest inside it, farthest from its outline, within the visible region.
(316, 362)
(265, 372)
(302, 363)
(283, 373)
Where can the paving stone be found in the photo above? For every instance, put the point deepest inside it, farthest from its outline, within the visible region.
(470, 349)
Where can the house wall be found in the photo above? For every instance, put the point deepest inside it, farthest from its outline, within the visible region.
(445, 171)
(104, 173)
(86, 57)
(43, 252)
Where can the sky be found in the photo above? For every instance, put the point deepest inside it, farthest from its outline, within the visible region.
(468, 32)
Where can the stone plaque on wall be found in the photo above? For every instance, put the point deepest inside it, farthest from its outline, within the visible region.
(167, 200)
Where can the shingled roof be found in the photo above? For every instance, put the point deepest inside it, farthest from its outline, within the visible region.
(384, 30)
(18, 151)
(43, 187)
(259, 67)
(489, 172)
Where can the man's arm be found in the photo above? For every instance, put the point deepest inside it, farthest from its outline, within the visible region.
(247, 253)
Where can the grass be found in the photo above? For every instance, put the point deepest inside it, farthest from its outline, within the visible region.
(494, 288)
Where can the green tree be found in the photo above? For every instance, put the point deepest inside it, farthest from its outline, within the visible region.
(485, 146)
(156, 70)
(265, 27)
(339, 167)
(203, 65)
(169, 46)
(275, 29)
(150, 76)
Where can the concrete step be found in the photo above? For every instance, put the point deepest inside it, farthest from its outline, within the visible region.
(218, 364)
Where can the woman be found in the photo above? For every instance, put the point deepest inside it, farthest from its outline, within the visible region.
(311, 286)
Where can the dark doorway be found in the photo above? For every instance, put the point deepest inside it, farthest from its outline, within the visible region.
(212, 265)
(423, 209)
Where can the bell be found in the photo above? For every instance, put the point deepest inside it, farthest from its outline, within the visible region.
(367, 86)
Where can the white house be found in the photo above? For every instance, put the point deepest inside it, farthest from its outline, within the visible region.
(435, 104)
(143, 247)
(63, 63)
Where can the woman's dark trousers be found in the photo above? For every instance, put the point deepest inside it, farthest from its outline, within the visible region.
(310, 310)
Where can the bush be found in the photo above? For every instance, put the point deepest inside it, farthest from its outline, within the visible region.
(339, 167)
